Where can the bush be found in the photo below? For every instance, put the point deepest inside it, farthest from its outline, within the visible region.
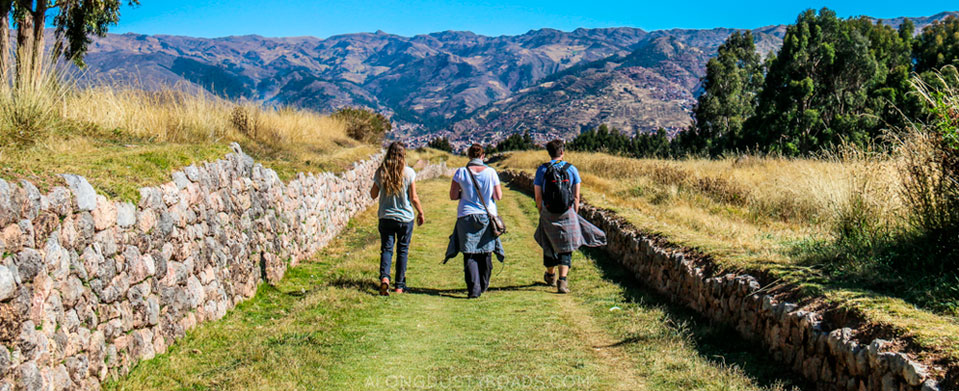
(515, 142)
(930, 164)
(31, 113)
(909, 249)
(441, 143)
(364, 125)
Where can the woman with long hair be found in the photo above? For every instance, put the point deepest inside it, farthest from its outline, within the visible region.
(477, 188)
(394, 183)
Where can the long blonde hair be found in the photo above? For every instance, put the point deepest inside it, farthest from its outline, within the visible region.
(391, 170)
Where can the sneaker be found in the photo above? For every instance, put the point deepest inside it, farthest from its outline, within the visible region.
(398, 290)
(550, 278)
(384, 287)
(562, 286)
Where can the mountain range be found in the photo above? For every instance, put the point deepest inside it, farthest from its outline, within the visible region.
(461, 85)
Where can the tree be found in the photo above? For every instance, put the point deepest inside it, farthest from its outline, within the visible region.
(733, 79)
(828, 84)
(74, 23)
(515, 142)
(938, 45)
(441, 143)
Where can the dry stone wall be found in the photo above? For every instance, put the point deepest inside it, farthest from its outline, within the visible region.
(88, 286)
(797, 337)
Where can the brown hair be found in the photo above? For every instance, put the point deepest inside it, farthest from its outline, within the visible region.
(475, 151)
(555, 148)
(391, 170)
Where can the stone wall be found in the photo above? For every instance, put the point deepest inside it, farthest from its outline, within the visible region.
(833, 359)
(88, 286)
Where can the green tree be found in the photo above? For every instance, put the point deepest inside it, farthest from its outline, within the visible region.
(829, 83)
(733, 79)
(938, 45)
(441, 143)
(75, 21)
(515, 142)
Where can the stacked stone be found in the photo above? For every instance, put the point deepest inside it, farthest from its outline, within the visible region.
(88, 286)
(832, 359)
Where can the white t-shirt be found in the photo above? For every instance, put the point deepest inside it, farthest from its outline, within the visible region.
(469, 198)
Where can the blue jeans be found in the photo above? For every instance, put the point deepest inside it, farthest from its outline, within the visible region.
(400, 233)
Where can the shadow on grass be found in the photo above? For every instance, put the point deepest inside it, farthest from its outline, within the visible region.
(460, 293)
(364, 285)
(372, 287)
(714, 342)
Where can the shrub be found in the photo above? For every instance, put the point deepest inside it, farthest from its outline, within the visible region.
(364, 125)
(244, 120)
(441, 143)
(930, 157)
(30, 113)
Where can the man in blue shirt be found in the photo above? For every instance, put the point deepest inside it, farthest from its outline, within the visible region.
(558, 234)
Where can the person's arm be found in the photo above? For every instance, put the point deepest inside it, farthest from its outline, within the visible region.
(454, 190)
(375, 191)
(576, 197)
(415, 200)
(538, 195)
(578, 181)
(497, 193)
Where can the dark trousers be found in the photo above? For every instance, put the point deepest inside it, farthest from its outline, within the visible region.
(477, 269)
(562, 259)
(398, 232)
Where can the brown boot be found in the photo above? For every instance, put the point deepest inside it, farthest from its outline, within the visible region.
(549, 278)
(562, 286)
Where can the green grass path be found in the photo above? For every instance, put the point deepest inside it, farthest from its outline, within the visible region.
(324, 327)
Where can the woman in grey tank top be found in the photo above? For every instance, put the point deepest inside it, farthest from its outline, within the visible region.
(394, 183)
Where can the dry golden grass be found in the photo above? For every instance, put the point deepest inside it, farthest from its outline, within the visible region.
(178, 117)
(746, 210)
(751, 214)
(124, 138)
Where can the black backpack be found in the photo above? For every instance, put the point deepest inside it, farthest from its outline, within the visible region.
(557, 188)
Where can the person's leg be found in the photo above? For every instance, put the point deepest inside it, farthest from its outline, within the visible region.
(550, 263)
(485, 264)
(565, 260)
(387, 235)
(403, 237)
(471, 273)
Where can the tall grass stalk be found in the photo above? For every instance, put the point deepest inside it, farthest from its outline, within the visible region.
(930, 156)
(30, 108)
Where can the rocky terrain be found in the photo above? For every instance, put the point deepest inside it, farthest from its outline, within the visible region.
(548, 81)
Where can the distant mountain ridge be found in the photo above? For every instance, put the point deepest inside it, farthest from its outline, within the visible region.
(458, 84)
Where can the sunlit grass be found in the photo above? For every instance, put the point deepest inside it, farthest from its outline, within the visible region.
(325, 328)
(757, 214)
(124, 138)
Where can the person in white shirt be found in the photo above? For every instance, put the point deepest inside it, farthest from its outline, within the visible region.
(473, 235)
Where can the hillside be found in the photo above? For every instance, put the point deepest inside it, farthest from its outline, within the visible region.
(447, 82)
(655, 86)
(419, 80)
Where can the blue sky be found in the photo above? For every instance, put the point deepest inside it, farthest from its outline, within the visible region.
(216, 18)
